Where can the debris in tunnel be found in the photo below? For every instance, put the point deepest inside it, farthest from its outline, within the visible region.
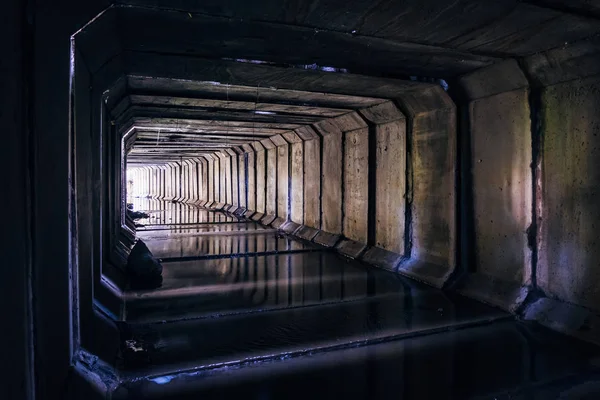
(135, 353)
(143, 270)
(135, 214)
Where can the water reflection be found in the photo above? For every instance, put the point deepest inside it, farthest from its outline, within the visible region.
(393, 338)
(355, 304)
(488, 362)
(163, 213)
(173, 247)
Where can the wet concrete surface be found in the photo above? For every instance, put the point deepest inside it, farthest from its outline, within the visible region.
(177, 247)
(304, 322)
(504, 360)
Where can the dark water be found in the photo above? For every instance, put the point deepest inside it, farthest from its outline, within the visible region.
(248, 313)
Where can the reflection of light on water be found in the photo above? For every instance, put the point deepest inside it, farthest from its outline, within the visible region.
(162, 380)
(222, 267)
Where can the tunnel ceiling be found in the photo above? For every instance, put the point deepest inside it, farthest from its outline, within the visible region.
(221, 116)
(201, 76)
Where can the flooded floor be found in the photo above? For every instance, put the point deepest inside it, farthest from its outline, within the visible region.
(247, 311)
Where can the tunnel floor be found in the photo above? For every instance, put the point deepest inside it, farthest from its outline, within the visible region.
(247, 311)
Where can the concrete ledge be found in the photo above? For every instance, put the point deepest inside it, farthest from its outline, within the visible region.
(290, 227)
(381, 258)
(239, 212)
(498, 78)
(91, 378)
(351, 248)
(326, 239)
(219, 206)
(306, 232)
(430, 273)
(278, 223)
(507, 295)
(257, 216)
(267, 219)
(576, 61)
(566, 318)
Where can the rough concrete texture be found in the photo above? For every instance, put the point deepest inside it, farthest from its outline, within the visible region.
(567, 318)
(225, 188)
(211, 178)
(271, 182)
(501, 158)
(268, 219)
(257, 216)
(312, 183)
(278, 223)
(306, 232)
(432, 186)
(283, 176)
(290, 227)
(356, 185)
(350, 248)
(297, 181)
(382, 258)
(499, 78)
(502, 186)
(331, 177)
(390, 186)
(569, 251)
(326, 239)
(218, 171)
(235, 188)
(261, 180)
(242, 179)
(565, 63)
(252, 187)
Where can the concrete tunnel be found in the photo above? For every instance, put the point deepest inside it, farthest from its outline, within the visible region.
(348, 199)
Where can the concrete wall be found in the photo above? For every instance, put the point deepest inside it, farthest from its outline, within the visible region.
(235, 188)
(271, 177)
(296, 177)
(390, 175)
(260, 159)
(312, 179)
(283, 179)
(331, 177)
(380, 185)
(242, 177)
(356, 188)
(566, 90)
(349, 181)
(501, 157)
(568, 266)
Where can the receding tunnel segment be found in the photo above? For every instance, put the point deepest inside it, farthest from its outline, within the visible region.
(336, 171)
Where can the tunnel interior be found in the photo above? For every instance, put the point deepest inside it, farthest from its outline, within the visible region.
(386, 199)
